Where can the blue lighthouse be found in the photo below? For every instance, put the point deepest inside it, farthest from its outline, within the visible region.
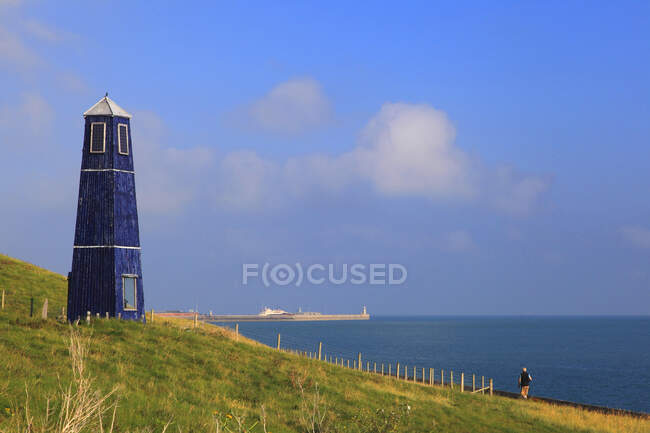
(106, 276)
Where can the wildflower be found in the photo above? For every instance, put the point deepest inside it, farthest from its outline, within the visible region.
(229, 416)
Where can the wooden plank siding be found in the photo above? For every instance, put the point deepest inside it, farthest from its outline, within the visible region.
(107, 221)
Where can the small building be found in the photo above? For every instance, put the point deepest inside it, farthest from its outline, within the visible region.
(106, 276)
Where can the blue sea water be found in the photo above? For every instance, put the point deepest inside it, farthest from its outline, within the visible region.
(596, 360)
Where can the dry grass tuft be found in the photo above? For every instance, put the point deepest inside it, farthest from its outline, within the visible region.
(580, 420)
(81, 407)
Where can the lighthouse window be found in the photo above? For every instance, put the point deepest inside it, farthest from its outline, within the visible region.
(97, 137)
(129, 293)
(123, 139)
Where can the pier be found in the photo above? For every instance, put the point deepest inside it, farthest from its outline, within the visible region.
(289, 317)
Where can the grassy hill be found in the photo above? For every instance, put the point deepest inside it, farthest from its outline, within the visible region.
(190, 380)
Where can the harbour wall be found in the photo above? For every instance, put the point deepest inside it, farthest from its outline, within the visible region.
(276, 318)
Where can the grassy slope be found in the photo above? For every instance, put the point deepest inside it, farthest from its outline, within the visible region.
(169, 371)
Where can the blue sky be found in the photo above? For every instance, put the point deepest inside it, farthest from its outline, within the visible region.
(498, 150)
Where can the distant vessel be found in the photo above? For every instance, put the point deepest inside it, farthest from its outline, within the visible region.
(269, 312)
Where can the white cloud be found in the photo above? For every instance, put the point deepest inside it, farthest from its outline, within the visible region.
(14, 53)
(636, 235)
(71, 82)
(291, 107)
(404, 150)
(246, 181)
(45, 33)
(459, 241)
(30, 118)
(409, 150)
(168, 178)
(10, 2)
(513, 192)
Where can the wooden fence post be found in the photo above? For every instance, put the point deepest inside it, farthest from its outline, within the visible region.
(482, 384)
(119, 316)
(389, 367)
(382, 369)
(397, 371)
(422, 374)
(491, 387)
(368, 366)
(87, 316)
(278, 341)
(152, 315)
(336, 360)
(196, 319)
(374, 368)
(473, 382)
(359, 362)
(442, 377)
(320, 350)
(3, 299)
(451, 379)
(44, 312)
(348, 363)
(431, 376)
(354, 365)
(236, 331)
(107, 316)
(406, 372)
(462, 382)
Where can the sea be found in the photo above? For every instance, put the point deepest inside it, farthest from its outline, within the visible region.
(596, 360)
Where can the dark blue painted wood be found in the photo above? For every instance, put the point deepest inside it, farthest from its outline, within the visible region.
(107, 218)
(125, 212)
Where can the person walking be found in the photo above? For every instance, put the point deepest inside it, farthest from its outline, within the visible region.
(524, 382)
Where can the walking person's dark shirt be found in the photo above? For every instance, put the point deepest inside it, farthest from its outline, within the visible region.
(524, 382)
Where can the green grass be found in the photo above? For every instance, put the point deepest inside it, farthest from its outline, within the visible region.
(169, 371)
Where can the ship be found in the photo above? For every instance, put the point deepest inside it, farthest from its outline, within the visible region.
(267, 312)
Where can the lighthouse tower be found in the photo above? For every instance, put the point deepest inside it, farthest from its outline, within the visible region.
(106, 274)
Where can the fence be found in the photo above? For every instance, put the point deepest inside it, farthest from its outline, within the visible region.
(4, 298)
(4, 304)
(415, 374)
(430, 376)
(426, 376)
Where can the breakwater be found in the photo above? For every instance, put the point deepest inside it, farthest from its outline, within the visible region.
(270, 318)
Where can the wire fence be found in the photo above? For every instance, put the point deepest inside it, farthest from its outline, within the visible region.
(335, 354)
